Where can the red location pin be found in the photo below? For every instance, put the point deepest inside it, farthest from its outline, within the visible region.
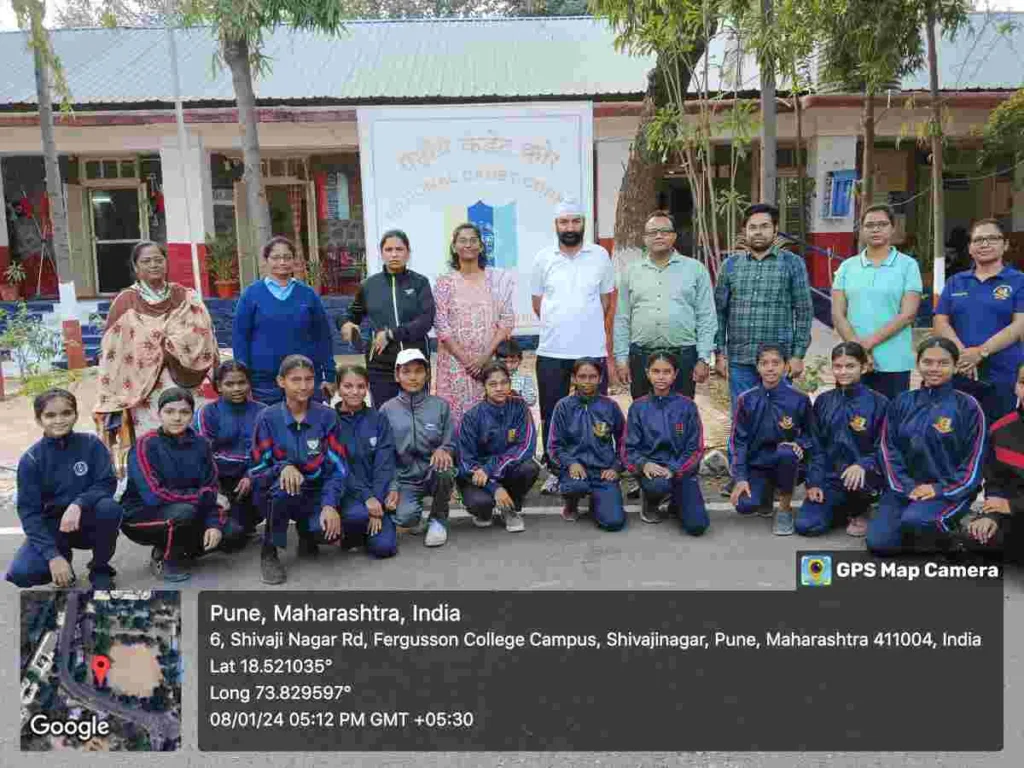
(100, 666)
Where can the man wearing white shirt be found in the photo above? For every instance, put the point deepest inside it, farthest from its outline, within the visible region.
(571, 285)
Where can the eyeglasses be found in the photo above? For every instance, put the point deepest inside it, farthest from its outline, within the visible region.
(659, 231)
(987, 240)
(873, 225)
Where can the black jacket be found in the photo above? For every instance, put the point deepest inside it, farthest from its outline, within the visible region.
(401, 303)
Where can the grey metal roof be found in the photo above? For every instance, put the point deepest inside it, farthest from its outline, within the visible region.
(435, 59)
(370, 60)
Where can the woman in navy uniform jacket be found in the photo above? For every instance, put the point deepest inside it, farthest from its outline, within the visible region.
(664, 446)
(299, 469)
(933, 446)
(844, 473)
(772, 433)
(66, 486)
(228, 424)
(370, 451)
(1000, 527)
(496, 444)
(586, 443)
(171, 501)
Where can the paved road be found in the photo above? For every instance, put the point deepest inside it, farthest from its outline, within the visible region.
(162, 727)
(550, 554)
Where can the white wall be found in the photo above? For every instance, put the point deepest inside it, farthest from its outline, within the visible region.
(187, 201)
(4, 241)
(827, 154)
(612, 156)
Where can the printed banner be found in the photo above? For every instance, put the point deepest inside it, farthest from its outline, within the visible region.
(426, 170)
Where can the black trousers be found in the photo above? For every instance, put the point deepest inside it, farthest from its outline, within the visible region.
(517, 482)
(554, 376)
(176, 528)
(383, 386)
(684, 384)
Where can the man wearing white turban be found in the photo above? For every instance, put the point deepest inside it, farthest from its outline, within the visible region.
(571, 285)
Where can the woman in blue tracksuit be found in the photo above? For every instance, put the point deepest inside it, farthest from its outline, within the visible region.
(299, 469)
(585, 443)
(844, 474)
(496, 445)
(370, 449)
(228, 424)
(664, 445)
(772, 433)
(933, 448)
(171, 500)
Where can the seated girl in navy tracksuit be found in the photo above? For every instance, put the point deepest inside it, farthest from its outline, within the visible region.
(844, 474)
(999, 529)
(299, 469)
(228, 423)
(66, 486)
(171, 501)
(933, 447)
(496, 444)
(585, 443)
(772, 432)
(664, 446)
(370, 450)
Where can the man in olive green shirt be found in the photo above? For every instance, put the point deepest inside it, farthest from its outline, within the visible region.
(665, 304)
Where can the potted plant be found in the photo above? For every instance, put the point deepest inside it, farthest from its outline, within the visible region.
(14, 276)
(222, 263)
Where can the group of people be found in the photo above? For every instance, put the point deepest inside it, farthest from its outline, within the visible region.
(202, 475)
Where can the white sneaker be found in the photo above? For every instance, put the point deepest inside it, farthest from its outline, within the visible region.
(550, 485)
(486, 522)
(437, 534)
(514, 522)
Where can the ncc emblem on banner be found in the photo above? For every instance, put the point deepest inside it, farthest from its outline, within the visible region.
(858, 423)
(944, 425)
(498, 224)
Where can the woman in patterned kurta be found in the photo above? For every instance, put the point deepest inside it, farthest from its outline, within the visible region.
(159, 335)
(474, 314)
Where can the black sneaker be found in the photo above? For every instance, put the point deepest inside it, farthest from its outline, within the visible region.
(156, 562)
(726, 491)
(649, 513)
(271, 570)
(308, 548)
(632, 488)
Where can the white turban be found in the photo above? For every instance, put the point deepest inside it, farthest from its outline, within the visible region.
(569, 207)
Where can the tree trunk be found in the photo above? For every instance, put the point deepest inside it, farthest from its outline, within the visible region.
(801, 181)
(54, 185)
(769, 122)
(867, 190)
(236, 54)
(637, 193)
(938, 212)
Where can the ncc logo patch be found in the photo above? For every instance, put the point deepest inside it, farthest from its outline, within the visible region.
(680, 428)
(786, 422)
(373, 442)
(858, 423)
(944, 425)
(313, 444)
(1002, 292)
(512, 435)
(601, 430)
(80, 468)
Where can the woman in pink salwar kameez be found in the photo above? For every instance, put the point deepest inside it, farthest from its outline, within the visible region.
(475, 313)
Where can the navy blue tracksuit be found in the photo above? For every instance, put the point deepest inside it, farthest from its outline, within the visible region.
(313, 447)
(847, 431)
(764, 418)
(229, 427)
(171, 498)
(52, 475)
(934, 436)
(370, 451)
(590, 431)
(668, 431)
(501, 440)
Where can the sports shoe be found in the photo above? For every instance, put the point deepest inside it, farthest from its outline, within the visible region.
(783, 524)
(156, 562)
(413, 530)
(570, 511)
(437, 534)
(857, 526)
(484, 522)
(649, 513)
(550, 486)
(766, 510)
(631, 488)
(176, 570)
(726, 491)
(514, 522)
(271, 570)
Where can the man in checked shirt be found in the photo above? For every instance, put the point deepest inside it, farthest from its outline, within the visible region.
(762, 297)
